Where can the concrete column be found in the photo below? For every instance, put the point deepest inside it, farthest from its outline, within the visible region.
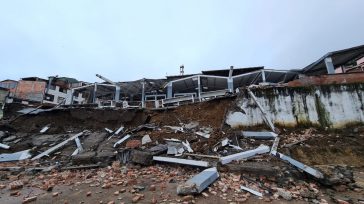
(143, 93)
(169, 90)
(329, 65)
(117, 93)
(263, 76)
(72, 92)
(199, 87)
(94, 95)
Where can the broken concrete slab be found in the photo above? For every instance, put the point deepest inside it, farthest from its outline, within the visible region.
(141, 157)
(199, 182)
(251, 191)
(124, 155)
(122, 140)
(244, 155)
(191, 125)
(60, 145)
(4, 146)
(10, 138)
(175, 128)
(259, 135)
(301, 166)
(84, 158)
(16, 156)
(159, 149)
(182, 161)
(146, 139)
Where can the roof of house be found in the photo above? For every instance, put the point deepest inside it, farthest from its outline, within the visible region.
(9, 80)
(339, 57)
(236, 71)
(33, 79)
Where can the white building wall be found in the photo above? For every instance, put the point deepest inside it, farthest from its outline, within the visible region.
(336, 107)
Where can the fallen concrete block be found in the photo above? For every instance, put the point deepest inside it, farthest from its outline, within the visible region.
(52, 149)
(4, 146)
(44, 129)
(122, 140)
(182, 161)
(256, 168)
(16, 156)
(251, 191)
(109, 131)
(259, 135)
(146, 139)
(119, 130)
(301, 166)
(84, 158)
(141, 157)
(203, 134)
(244, 155)
(199, 182)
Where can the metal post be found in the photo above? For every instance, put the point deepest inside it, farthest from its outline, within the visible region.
(230, 80)
(169, 90)
(94, 95)
(263, 76)
(117, 93)
(199, 87)
(143, 93)
(329, 65)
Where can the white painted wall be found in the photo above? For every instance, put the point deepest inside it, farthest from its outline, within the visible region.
(342, 104)
(56, 93)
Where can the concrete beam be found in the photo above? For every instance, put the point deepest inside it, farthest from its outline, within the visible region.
(251, 191)
(122, 140)
(199, 182)
(259, 135)
(4, 146)
(244, 155)
(182, 161)
(273, 151)
(58, 146)
(301, 166)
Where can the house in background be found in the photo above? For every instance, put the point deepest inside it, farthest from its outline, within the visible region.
(10, 85)
(59, 90)
(4, 93)
(31, 89)
(341, 61)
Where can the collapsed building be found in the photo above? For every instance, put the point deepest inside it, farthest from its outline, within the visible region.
(239, 133)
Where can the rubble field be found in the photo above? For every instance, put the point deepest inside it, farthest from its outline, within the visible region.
(185, 154)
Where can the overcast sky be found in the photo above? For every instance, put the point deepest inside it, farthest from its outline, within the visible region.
(129, 40)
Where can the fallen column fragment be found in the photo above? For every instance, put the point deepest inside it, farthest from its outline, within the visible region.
(251, 191)
(16, 156)
(182, 161)
(300, 165)
(122, 140)
(244, 155)
(51, 150)
(265, 115)
(108, 130)
(44, 129)
(199, 182)
(273, 151)
(4, 146)
(259, 135)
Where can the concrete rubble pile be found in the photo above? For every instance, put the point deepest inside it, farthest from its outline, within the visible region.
(196, 160)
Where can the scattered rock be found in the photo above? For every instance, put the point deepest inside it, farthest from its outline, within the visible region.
(29, 199)
(55, 194)
(16, 185)
(88, 193)
(284, 194)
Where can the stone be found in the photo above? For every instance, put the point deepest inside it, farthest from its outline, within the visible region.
(187, 198)
(16, 185)
(152, 188)
(15, 193)
(116, 193)
(29, 199)
(132, 144)
(146, 139)
(141, 157)
(88, 194)
(284, 194)
(55, 194)
(106, 185)
(84, 158)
